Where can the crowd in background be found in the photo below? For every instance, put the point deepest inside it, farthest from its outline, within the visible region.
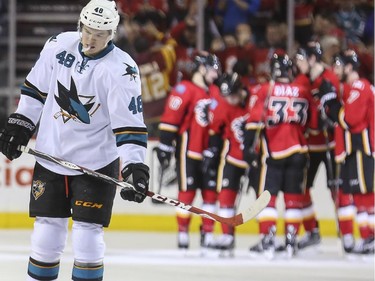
(162, 37)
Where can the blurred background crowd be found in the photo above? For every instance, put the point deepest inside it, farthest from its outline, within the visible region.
(164, 35)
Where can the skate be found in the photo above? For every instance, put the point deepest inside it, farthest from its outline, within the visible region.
(257, 248)
(348, 243)
(291, 241)
(311, 238)
(183, 240)
(368, 246)
(364, 246)
(207, 243)
(267, 244)
(225, 244)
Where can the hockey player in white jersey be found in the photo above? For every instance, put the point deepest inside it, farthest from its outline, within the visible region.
(85, 95)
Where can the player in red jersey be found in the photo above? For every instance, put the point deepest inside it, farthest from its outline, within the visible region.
(184, 130)
(321, 150)
(229, 114)
(355, 115)
(280, 111)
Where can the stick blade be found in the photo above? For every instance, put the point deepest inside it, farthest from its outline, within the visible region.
(258, 206)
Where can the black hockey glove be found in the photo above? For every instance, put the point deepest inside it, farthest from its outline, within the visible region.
(164, 154)
(328, 101)
(327, 93)
(140, 178)
(250, 155)
(251, 158)
(210, 161)
(18, 131)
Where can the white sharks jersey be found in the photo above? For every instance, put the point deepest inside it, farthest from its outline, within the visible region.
(89, 109)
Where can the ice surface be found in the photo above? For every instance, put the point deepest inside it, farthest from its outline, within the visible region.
(148, 256)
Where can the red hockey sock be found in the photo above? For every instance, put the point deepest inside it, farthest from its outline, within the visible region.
(293, 210)
(346, 212)
(227, 197)
(209, 205)
(308, 215)
(184, 217)
(268, 216)
(361, 201)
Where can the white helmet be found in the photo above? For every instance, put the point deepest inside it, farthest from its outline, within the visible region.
(100, 15)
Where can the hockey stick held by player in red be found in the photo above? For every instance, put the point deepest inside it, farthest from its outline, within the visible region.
(236, 220)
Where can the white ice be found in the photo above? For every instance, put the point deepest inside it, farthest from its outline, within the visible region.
(150, 256)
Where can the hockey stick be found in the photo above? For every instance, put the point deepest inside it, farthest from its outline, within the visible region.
(333, 178)
(236, 220)
(160, 178)
(263, 116)
(259, 128)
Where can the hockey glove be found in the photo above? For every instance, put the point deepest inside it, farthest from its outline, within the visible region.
(327, 93)
(210, 161)
(250, 155)
(140, 178)
(18, 131)
(251, 158)
(164, 154)
(328, 101)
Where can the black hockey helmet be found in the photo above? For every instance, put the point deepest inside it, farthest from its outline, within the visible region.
(229, 83)
(313, 48)
(337, 60)
(301, 54)
(206, 59)
(350, 57)
(281, 66)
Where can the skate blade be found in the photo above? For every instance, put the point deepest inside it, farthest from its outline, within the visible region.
(269, 254)
(226, 253)
(209, 253)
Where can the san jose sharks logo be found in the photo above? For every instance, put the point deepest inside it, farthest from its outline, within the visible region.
(74, 106)
(82, 65)
(131, 71)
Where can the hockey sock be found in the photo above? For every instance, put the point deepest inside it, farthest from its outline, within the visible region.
(226, 212)
(47, 243)
(183, 216)
(360, 201)
(268, 216)
(293, 210)
(87, 272)
(43, 270)
(227, 198)
(308, 214)
(345, 213)
(209, 205)
(88, 247)
(369, 203)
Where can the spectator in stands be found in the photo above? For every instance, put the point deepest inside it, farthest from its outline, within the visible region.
(351, 19)
(325, 24)
(275, 39)
(331, 47)
(230, 13)
(156, 57)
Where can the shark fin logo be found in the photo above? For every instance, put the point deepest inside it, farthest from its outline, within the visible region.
(38, 188)
(71, 106)
(131, 71)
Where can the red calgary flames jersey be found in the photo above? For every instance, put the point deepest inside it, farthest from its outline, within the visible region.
(356, 119)
(229, 121)
(186, 111)
(288, 112)
(316, 141)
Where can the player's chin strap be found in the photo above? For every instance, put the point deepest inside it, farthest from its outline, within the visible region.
(237, 220)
